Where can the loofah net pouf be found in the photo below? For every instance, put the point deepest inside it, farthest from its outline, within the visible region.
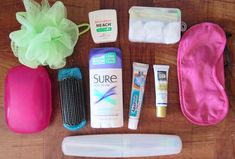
(46, 36)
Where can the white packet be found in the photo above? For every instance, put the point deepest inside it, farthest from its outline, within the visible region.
(154, 25)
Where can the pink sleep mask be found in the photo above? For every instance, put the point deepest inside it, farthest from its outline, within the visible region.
(201, 80)
(27, 99)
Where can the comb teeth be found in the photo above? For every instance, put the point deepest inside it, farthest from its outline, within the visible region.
(72, 101)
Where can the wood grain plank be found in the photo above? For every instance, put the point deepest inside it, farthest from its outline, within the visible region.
(214, 142)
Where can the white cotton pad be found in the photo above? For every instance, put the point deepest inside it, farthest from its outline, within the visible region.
(154, 25)
(171, 32)
(154, 31)
(136, 31)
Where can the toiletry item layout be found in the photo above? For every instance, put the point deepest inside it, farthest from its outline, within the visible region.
(146, 24)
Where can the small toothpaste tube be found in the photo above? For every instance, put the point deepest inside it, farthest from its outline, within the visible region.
(161, 82)
(137, 93)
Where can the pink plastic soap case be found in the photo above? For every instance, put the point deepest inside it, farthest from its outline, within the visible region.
(27, 99)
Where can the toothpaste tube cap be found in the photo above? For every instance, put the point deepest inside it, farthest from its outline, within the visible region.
(133, 123)
(161, 112)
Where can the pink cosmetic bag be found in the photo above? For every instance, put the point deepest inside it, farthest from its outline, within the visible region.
(201, 80)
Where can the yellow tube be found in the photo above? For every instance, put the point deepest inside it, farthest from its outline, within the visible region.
(161, 85)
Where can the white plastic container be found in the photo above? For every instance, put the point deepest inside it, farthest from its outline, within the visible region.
(154, 25)
(106, 96)
(103, 24)
(122, 145)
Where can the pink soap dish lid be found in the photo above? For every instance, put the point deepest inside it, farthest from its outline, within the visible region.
(27, 99)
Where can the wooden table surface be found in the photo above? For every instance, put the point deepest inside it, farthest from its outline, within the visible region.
(212, 142)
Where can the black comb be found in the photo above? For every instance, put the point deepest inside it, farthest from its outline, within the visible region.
(72, 98)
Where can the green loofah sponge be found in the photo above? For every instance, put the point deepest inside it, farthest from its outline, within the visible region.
(46, 36)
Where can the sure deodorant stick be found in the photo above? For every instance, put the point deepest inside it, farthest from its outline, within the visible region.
(106, 94)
